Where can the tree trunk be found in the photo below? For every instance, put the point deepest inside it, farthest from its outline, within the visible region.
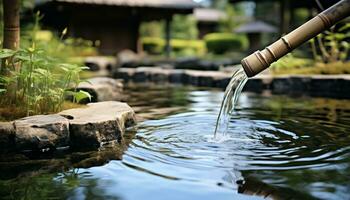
(11, 24)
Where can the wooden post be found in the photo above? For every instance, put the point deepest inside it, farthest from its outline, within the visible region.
(168, 36)
(11, 24)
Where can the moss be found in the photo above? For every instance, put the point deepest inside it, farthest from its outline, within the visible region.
(9, 112)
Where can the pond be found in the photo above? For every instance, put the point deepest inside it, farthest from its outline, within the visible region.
(277, 147)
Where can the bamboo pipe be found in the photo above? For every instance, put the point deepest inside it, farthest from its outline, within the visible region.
(260, 60)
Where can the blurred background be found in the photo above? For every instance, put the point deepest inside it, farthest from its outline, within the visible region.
(194, 34)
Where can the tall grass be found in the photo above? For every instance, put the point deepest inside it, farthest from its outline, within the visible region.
(36, 83)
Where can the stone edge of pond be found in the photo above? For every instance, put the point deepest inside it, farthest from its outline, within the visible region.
(334, 86)
(83, 128)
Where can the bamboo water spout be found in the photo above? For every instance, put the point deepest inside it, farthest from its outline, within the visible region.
(260, 60)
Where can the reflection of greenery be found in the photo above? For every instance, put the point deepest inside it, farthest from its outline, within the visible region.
(59, 177)
(297, 184)
(314, 139)
(32, 188)
(53, 186)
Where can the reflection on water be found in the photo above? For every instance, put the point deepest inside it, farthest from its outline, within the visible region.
(276, 147)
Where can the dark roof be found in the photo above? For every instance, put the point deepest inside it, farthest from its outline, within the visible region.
(298, 3)
(208, 15)
(256, 27)
(174, 4)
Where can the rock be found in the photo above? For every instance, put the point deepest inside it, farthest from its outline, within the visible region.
(126, 74)
(7, 137)
(205, 78)
(98, 123)
(101, 65)
(177, 76)
(127, 58)
(41, 131)
(92, 66)
(199, 64)
(103, 89)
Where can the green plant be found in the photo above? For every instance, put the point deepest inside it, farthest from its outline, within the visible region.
(58, 46)
(153, 45)
(219, 43)
(37, 83)
(153, 29)
(291, 62)
(184, 27)
(331, 46)
(229, 22)
(179, 46)
(188, 47)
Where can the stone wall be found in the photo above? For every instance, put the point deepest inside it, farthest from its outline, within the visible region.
(337, 86)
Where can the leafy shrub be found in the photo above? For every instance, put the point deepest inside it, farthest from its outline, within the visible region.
(179, 46)
(152, 29)
(153, 45)
(219, 43)
(37, 83)
(188, 47)
(57, 46)
(332, 46)
(184, 27)
(32, 82)
(291, 62)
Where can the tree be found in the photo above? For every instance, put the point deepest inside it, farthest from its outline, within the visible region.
(11, 33)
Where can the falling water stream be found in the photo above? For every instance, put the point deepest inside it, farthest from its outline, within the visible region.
(232, 93)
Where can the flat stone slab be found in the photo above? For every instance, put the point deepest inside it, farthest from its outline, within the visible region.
(7, 136)
(103, 89)
(98, 123)
(86, 128)
(41, 131)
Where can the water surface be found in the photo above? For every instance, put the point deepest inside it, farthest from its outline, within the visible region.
(276, 147)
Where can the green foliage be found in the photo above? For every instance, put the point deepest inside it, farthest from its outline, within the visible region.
(291, 62)
(61, 47)
(153, 29)
(36, 82)
(229, 23)
(179, 47)
(294, 65)
(332, 46)
(219, 4)
(184, 27)
(330, 51)
(219, 43)
(188, 47)
(153, 45)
